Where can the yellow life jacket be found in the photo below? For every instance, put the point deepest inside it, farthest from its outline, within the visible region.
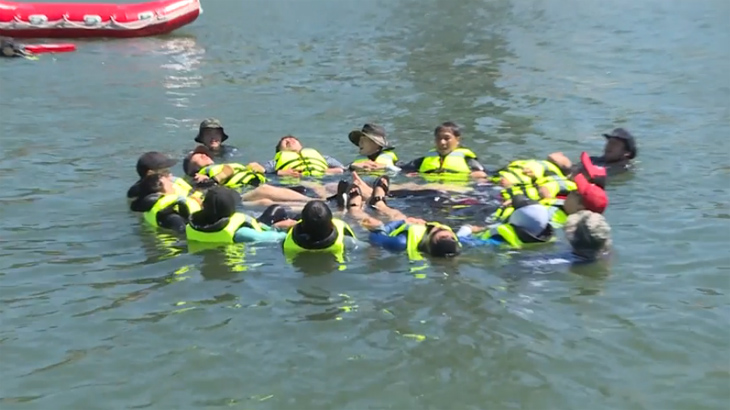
(167, 201)
(414, 236)
(242, 175)
(510, 237)
(557, 185)
(386, 157)
(338, 246)
(182, 187)
(226, 234)
(529, 190)
(308, 161)
(558, 217)
(514, 171)
(454, 162)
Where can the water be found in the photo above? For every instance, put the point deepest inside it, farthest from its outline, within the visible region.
(98, 312)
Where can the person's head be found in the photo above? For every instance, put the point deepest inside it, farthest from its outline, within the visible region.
(197, 160)
(561, 161)
(447, 137)
(154, 162)
(371, 139)
(317, 220)
(211, 134)
(620, 146)
(442, 243)
(289, 143)
(589, 193)
(156, 184)
(220, 202)
(588, 234)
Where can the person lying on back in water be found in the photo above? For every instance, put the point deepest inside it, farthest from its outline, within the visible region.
(319, 231)
(162, 205)
(589, 236)
(588, 194)
(530, 171)
(157, 163)
(528, 224)
(412, 235)
(618, 153)
(448, 157)
(293, 160)
(212, 135)
(199, 165)
(219, 222)
(376, 155)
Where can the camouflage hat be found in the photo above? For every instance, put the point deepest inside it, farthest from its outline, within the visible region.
(588, 232)
(210, 124)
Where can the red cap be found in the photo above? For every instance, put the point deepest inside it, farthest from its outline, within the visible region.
(594, 197)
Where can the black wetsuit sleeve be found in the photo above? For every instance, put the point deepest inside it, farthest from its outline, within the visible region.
(171, 220)
(412, 166)
(474, 164)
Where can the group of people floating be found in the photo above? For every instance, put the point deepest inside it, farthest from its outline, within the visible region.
(527, 200)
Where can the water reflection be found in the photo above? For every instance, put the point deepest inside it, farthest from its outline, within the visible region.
(183, 77)
(223, 262)
(466, 41)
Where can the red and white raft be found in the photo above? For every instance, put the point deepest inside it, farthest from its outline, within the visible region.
(81, 20)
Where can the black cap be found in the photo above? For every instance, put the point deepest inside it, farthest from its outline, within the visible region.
(627, 138)
(153, 161)
(273, 214)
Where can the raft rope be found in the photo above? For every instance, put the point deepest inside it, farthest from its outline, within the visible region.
(93, 22)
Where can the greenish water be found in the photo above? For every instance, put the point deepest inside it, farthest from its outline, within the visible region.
(98, 312)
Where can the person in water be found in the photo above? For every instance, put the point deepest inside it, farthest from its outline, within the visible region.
(589, 236)
(319, 231)
(161, 204)
(529, 223)
(219, 222)
(200, 166)
(412, 235)
(531, 171)
(154, 162)
(11, 49)
(448, 156)
(293, 160)
(618, 153)
(212, 136)
(375, 152)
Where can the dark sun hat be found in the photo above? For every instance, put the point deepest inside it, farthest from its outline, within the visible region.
(374, 132)
(210, 124)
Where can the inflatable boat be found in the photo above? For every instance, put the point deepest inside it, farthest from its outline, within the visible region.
(84, 20)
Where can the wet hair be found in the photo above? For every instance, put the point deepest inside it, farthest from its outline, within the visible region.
(151, 184)
(278, 144)
(444, 247)
(317, 220)
(449, 126)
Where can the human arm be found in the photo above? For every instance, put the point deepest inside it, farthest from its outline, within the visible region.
(270, 167)
(412, 166)
(334, 166)
(477, 169)
(245, 234)
(467, 237)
